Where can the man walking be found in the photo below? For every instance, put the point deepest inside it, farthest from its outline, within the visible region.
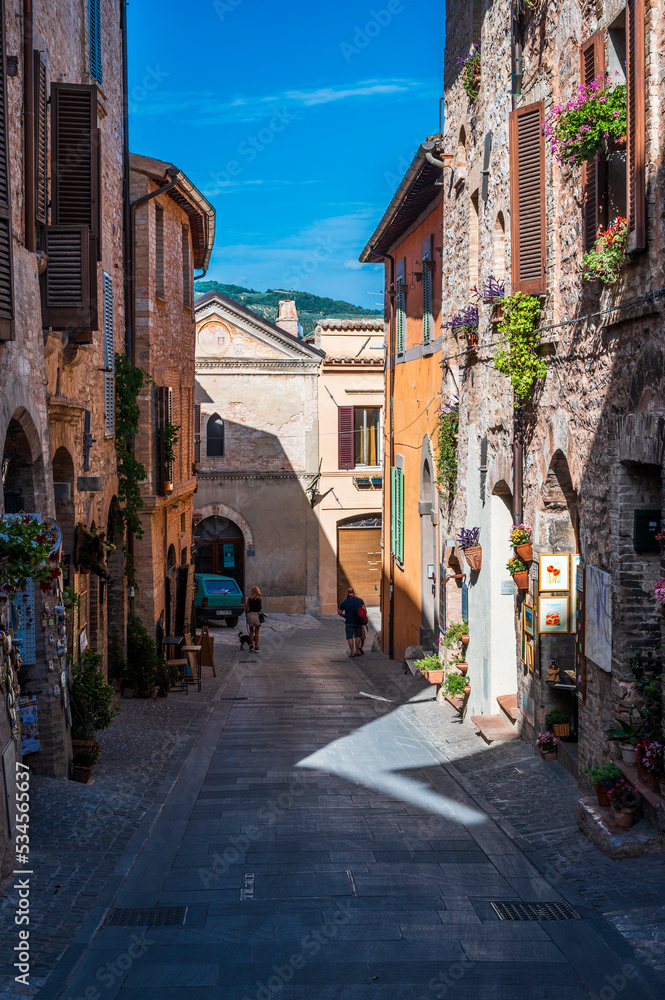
(350, 611)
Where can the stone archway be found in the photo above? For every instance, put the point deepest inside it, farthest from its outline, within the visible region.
(223, 510)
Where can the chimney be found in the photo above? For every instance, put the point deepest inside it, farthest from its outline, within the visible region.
(287, 318)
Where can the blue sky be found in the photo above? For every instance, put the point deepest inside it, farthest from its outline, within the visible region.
(296, 120)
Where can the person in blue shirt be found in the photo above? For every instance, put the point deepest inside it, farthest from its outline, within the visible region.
(348, 610)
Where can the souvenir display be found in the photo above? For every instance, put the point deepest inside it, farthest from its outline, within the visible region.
(56, 690)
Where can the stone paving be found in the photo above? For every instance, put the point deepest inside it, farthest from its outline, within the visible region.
(335, 833)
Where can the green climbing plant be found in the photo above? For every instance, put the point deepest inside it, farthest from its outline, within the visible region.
(520, 360)
(446, 453)
(170, 441)
(129, 382)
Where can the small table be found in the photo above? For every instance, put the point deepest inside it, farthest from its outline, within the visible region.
(197, 650)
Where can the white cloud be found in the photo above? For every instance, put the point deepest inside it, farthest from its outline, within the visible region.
(353, 265)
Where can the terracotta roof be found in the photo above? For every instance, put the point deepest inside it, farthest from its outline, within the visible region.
(362, 324)
(215, 296)
(199, 210)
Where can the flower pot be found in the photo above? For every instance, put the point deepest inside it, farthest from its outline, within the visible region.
(83, 745)
(472, 340)
(81, 774)
(433, 676)
(623, 817)
(521, 579)
(464, 640)
(548, 754)
(628, 754)
(561, 729)
(474, 557)
(648, 778)
(601, 795)
(462, 667)
(497, 311)
(467, 690)
(525, 552)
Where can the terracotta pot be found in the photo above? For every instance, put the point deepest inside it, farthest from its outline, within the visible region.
(462, 667)
(561, 729)
(548, 754)
(464, 640)
(81, 773)
(497, 314)
(474, 556)
(433, 676)
(472, 340)
(83, 745)
(467, 690)
(648, 778)
(521, 579)
(623, 817)
(602, 796)
(628, 754)
(525, 552)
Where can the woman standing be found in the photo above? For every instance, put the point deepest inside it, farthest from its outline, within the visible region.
(252, 610)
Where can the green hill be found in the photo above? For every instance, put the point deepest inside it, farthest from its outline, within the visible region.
(311, 308)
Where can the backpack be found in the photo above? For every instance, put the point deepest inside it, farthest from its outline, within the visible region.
(362, 613)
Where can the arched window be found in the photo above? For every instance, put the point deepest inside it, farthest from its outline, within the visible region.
(460, 169)
(500, 247)
(215, 436)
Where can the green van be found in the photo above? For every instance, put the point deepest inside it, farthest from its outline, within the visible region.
(218, 597)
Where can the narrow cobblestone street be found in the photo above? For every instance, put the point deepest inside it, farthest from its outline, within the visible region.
(333, 833)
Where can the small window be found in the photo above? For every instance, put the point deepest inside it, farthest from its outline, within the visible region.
(474, 241)
(186, 269)
(400, 316)
(159, 251)
(95, 32)
(366, 440)
(499, 247)
(215, 436)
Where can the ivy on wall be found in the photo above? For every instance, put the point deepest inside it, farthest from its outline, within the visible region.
(129, 382)
(520, 360)
(446, 454)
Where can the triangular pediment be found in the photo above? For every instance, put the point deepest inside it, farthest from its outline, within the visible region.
(227, 331)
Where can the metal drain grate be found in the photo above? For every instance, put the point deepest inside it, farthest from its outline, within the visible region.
(535, 911)
(160, 916)
(234, 699)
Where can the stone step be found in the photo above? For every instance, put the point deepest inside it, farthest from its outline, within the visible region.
(508, 705)
(595, 821)
(494, 728)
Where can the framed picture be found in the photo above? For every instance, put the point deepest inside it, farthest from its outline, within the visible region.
(554, 572)
(530, 659)
(553, 615)
(528, 624)
(523, 646)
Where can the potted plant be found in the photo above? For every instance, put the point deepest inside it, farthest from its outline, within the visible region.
(519, 572)
(604, 777)
(91, 701)
(584, 127)
(547, 744)
(624, 802)
(470, 71)
(559, 721)
(82, 765)
(491, 292)
(626, 735)
(649, 753)
(141, 670)
(455, 632)
(659, 591)
(461, 664)
(27, 552)
(464, 323)
(431, 669)
(455, 685)
(467, 540)
(520, 539)
(608, 256)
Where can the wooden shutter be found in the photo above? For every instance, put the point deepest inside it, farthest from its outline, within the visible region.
(393, 506)
(400, 306)
(6, 264)
(165, 416)
(197, 432)
(159, 251)
(41, 137)
(186, 269)
(427, 288)
(109, 356)
(399, 515)
(345, 437)
(592, 65)
(635, 161)
(66, 293)
(527, 198)
(95, 39)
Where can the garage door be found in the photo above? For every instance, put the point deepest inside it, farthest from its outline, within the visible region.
(359, 563)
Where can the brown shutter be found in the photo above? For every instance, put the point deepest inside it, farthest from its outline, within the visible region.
(527, 198)
(159, 251)
(592, 64)
(66, 299)
(6, 269)
(186, 269)
(635, 164)
(41, 137)
(345, 437)
(75, 156)
(197, 432)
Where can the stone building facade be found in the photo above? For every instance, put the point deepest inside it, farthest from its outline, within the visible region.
(348, 495)
(581, 460)
(173, 232)
(61, 312)
(257, 430)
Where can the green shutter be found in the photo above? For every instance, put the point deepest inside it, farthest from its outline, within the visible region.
(95, 29)
(427, 301)
(393, 522)
(399, 554)
(399, 318)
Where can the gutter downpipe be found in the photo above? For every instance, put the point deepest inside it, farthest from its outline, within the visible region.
(28, 127)
(390, 392)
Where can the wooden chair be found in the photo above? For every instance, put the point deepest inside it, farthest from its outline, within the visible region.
(181, 664)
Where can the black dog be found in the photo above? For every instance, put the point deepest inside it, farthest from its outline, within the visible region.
(244, 638)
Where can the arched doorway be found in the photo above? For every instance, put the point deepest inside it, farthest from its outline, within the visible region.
(65, 514)
(170, 592)
(115, 598)
(18, 471)
(428, 556)
(359, 558)
(220, 549)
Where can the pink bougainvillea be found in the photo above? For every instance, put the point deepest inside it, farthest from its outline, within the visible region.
(581, 129)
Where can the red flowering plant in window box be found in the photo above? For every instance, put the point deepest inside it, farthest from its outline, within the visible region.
(589, 123)
(608, 256)
(26, 553)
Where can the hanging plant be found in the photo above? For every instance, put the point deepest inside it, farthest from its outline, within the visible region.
(26, 553)
(581, 129)
(608, 256)
(520, 362)
(464, 323)
(470, 71)
(170, 441)
(129, 382)
(446, 452)
(491, 290)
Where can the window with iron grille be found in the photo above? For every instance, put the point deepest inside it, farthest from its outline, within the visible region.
(109, 356)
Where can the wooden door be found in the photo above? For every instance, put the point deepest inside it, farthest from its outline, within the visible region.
(359, 564)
